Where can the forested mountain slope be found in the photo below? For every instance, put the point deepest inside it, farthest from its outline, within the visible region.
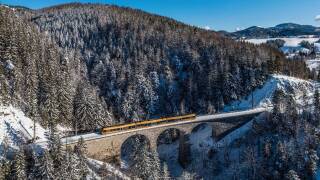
(90, 65)
(36, 78)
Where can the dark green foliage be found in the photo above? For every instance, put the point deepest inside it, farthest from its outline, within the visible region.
(306, 44)
(278, 43)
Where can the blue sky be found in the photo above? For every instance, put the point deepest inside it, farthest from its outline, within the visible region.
(216, 14)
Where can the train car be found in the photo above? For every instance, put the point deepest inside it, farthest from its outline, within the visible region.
(145, 123)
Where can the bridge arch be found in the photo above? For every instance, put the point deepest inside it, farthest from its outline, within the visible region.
(202, 135)
(131, 146)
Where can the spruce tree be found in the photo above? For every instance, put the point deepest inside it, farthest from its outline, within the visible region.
(312, 163)
(146, 166)
(292, 175)
(316, 107)
(46, 168)
(55, 149)
(81, 150)
(20, 165)
(5, 169)
(5, 164)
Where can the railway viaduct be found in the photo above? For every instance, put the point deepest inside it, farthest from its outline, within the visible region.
(101, 147)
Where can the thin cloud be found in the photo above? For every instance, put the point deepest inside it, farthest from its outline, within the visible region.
(207, 28)
(239, 28)
(317, 18)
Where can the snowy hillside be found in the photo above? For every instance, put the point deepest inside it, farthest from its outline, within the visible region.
(263, 96)
(201, 140)
(16, 128)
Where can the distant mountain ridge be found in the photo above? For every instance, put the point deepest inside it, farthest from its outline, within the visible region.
(281, 30)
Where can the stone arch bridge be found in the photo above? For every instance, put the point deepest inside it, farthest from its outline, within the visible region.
(101, 146)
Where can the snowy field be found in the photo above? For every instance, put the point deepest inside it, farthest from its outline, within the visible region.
(290, 42)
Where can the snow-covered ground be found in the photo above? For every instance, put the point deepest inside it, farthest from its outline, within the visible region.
(313, 64)
(291, 47)
(16, 128)
(96, 165)
(290, 42)
(262, 97)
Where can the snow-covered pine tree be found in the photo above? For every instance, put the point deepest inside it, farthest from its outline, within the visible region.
(316, 102)
(312, 163)
(20, 165)
(187, 176)
(65, 94)
(5, 168)
(55, 149)
(88, 113)
(69, 166)
(5, 164)
(46, 168)
(81, 150)
(292, 175)
(145, 165)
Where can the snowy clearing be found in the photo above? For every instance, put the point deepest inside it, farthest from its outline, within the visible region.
(290, 42)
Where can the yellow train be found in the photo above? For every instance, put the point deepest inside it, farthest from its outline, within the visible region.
(120, 127)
